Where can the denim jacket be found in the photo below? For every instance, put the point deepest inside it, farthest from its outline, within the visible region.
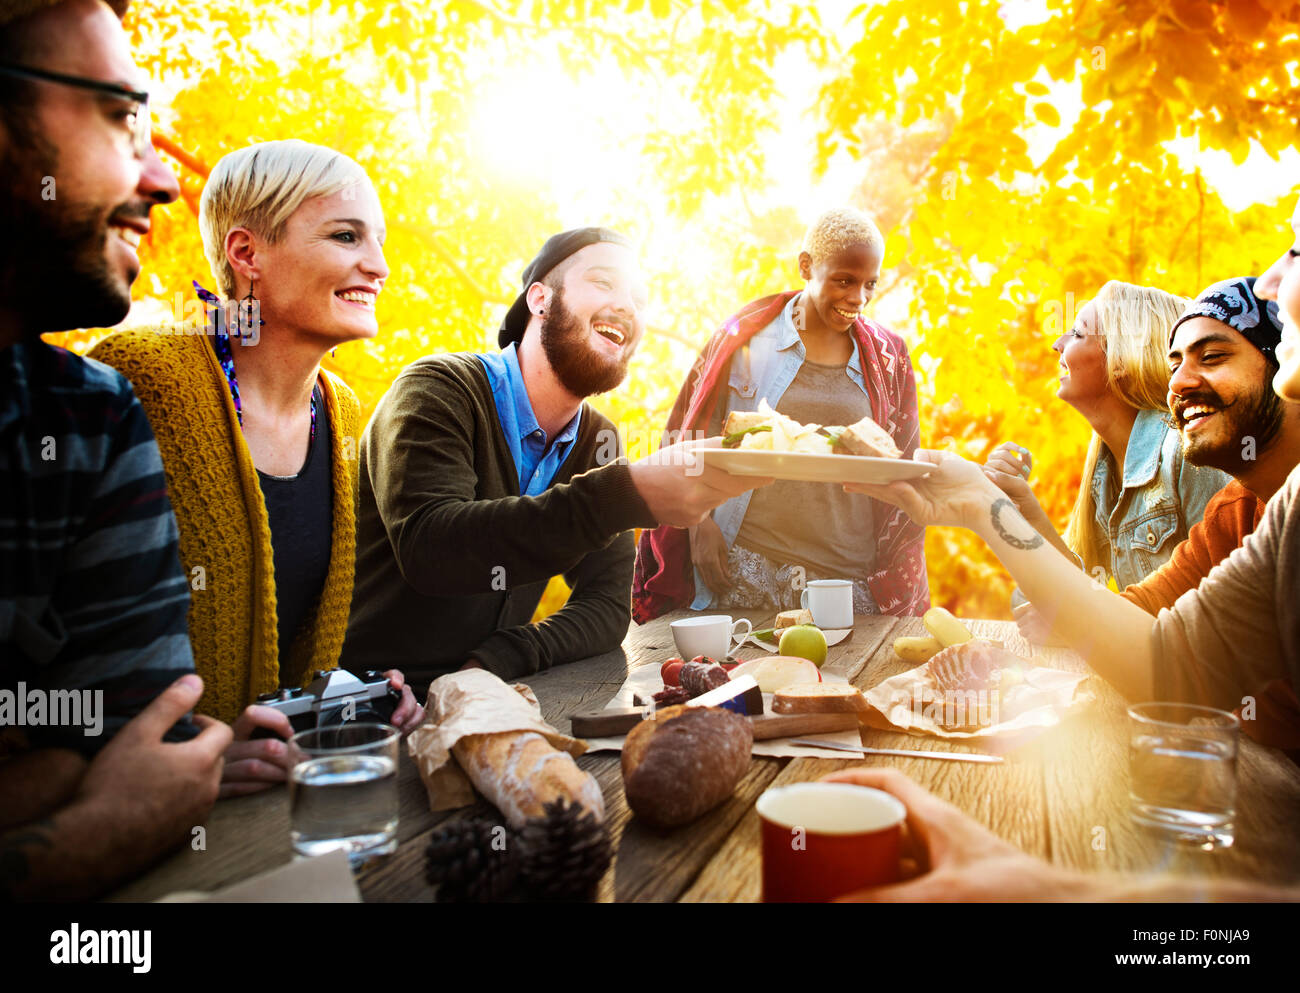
(1162, 497)
(764, 371)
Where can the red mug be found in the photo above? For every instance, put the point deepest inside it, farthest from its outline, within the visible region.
(824, 840)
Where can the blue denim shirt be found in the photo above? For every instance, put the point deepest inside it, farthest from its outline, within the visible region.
(763, 371)
(537, 464)
(1162, 497)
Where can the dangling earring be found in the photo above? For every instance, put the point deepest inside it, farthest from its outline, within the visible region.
(248, 312)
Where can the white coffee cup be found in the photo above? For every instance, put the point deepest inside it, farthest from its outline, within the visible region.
(831, 603)
(711, 635)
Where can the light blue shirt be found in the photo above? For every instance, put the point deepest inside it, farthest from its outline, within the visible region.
(763, 370)
(1160, 497)
(536, 461)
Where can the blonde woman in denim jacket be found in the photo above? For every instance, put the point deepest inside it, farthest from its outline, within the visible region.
(1114, 371)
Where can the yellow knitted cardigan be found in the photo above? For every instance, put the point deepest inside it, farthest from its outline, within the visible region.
(225, 535)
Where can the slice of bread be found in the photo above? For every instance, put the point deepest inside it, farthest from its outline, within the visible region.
(819, 698)
(791, 618)
(742, 420)
(866, 437)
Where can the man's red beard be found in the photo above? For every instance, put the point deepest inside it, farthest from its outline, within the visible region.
(567, 343)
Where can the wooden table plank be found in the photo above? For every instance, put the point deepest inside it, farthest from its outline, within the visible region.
(249, 835)
(1050, 797)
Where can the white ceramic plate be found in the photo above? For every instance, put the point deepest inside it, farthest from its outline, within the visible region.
(812, 468)
(833, 637)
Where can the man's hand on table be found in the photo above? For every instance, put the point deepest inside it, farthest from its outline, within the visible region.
(950, 858)
(680, 490)
(163, 788)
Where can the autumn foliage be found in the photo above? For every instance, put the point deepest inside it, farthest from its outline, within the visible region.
(1014, 168)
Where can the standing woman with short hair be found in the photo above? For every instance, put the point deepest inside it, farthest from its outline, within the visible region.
(813, 356)
(258, 442)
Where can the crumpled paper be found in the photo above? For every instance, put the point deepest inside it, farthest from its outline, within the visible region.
(1040, 702)
(472, 701)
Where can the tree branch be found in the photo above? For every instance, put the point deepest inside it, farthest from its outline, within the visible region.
(193, 163)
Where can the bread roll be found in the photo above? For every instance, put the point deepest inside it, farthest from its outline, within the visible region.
(520, 772)
(684, 762)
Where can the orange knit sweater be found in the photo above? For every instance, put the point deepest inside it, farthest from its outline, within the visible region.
(225, 535)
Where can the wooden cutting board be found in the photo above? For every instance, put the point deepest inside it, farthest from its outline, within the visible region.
(615, 722)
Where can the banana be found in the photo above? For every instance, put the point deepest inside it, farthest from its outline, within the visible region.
(950, 631)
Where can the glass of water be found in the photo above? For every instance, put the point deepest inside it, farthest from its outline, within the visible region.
(343, 790)
(1183, 767)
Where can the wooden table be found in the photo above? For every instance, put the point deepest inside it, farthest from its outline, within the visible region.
(1063, 796)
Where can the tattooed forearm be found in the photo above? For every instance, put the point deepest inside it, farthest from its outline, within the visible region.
(1024, 544)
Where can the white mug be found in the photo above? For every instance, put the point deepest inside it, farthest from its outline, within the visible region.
(709, 636)
(831, 603)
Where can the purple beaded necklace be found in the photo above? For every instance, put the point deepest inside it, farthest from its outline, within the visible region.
(226, 358)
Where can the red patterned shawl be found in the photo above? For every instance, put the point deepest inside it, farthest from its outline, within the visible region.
(664, 576)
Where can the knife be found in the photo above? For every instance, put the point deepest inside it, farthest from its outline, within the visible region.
(910, 753)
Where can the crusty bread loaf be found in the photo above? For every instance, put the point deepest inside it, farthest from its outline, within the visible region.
(819, 698)
(684, 762)
(520, 772)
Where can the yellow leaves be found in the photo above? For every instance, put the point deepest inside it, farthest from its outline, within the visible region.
(1048, 114)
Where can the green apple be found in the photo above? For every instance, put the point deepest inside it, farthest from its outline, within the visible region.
(805, 641)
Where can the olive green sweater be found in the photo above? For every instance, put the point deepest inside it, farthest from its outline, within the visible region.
(452, 561)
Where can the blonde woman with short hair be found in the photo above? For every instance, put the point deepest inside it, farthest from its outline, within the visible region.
(1138, 497)
(258, 442)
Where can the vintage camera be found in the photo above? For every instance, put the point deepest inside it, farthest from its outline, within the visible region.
(332, 698)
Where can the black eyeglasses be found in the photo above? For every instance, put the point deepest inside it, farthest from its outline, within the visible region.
(141, 134)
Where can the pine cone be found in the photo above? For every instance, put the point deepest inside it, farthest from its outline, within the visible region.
(563, 853)
(464, 864)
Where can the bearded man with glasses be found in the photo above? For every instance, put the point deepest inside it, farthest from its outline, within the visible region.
(93, 601)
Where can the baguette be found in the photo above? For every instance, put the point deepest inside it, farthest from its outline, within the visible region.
(819, 698)
(520, 772)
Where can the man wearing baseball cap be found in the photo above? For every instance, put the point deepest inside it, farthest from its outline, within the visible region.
(92, 597)
(484, 475)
